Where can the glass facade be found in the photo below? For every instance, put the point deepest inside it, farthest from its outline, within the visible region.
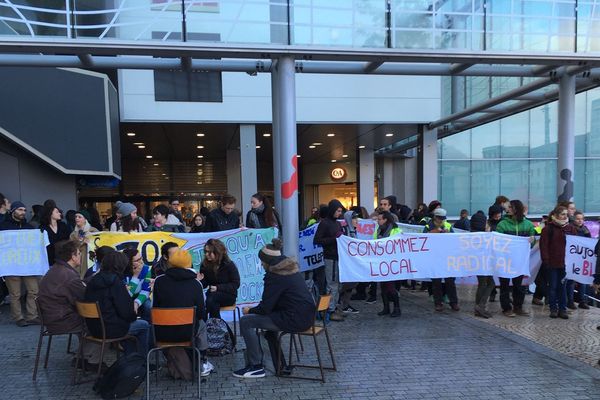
(517, 157)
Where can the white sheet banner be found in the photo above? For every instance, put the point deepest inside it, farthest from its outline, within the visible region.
(580, 260)
(23, 252)
(310, 256)
(419, 256)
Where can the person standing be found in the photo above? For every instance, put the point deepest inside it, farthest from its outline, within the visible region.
(223, 218)
(463, 223)
(160, 222)
(386, 227)
(128, 220)
(4, 208)
(81, 234)
(514, 224)
(485, 283)
(51, 222)
(262, 214)
(579, 223)
(175, 211)
(197, 224)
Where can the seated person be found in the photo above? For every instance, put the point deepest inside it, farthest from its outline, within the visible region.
(139, 282)
(286, 305)
(116, 305)
(220, 275)
(178, 287)
(59, 289)
(161, 266)
(98, 256)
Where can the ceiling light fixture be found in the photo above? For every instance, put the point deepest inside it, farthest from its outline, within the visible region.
(148, 156)
(317, 143)
(200, 164)
(200, 156)
(298, 156)
(138, 143)
(266, 134)
(312, 147)
(200, 134)
(156, 164)
(389, 134)
(331, 134)
(333, 160)
(344, 155)
(199, 147)
(131, 134)
(258, 147)
(141, 146)
(362, 146)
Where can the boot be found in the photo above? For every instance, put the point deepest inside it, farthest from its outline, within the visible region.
(396, 300)
(386, 305)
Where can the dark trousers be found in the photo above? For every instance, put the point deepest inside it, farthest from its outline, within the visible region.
(320, 279)
(558, 294)
(216, 300)
(541, 283)
(518, 293)
(438, 290)
(362, 288)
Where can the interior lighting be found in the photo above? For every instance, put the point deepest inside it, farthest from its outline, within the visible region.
(331, 134)
(362, 146)
(389, 134)
(148, 156)
(312, 147)
(131, 134)
(141, 146)
(258, 147)
(200, 134)
(333, 160)
(266, 134)
(317, 143)
(345, 155)
(199, 147)
(200, 156)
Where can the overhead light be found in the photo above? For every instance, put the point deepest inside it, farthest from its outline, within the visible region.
(138, 143)
(312, 147)
(344, 155)
(199, 147)
(200, 134)
(266, 134)
(164, 174)
(389, 134)
(200, 156)
(148, 156)
(317, 143)
(333, 160)
(166, 177)
(298, 156)
(200, 164)
(130, 134)
(362, 146)
(258, 147)
(141, 146)
(156, 164)
(331, 134)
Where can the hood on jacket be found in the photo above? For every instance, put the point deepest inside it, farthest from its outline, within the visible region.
(478, 221)
(348, 218)
(181, 274)
(103, 280)
(288, 266)
(332, 207)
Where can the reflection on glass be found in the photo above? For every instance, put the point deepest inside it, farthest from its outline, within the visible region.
(514, 136)
(485, 182)
(455, 179)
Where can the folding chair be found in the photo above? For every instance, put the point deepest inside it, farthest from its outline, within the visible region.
(174, 317)
(92, 311)
(314, 331)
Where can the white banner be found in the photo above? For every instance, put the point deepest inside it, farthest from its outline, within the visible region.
(23, 252)
(419, 256)
(310, 256)
(580, 260)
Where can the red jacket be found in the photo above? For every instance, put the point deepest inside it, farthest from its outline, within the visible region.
(553, 242)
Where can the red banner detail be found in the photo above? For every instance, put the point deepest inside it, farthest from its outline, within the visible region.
(288, 188)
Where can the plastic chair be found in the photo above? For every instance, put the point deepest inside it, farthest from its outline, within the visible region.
(92, 311)
(314, 331)
(45, 332)
(174, 317)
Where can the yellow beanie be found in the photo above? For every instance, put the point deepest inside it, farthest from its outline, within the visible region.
(181, 259)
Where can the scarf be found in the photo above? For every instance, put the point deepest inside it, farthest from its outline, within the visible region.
(559, 222)
(254, 215)
(382, 233)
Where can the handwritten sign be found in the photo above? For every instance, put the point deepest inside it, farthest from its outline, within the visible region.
(580, 260)
(310, 256)
(23, 253)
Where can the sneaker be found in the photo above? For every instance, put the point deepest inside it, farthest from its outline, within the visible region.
(251, 371)
(207, 368)
(371, 300)
(537, 302)
(385, 311)
(584, 306)
(439, 307)
(480, 313)
(350, 310)
(34, 321)
(336, 316)
(358, 296)
(553, 314)
(571, 306)
(21, 323)
(509, 313)
(563, 314)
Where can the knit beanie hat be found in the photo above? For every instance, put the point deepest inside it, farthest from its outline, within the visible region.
(478, 221)
(125, 208)
(84, 214)
(15, 205)
(181, 259)
(271, 253)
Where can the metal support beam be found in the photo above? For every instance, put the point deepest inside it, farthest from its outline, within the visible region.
(276, 135)
(286, 86)
(186, 63)
(372, 66)
(247, 165)
(458, 68)
(86, 60)
(566, 138)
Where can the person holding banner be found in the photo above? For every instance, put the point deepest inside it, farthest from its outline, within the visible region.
(81, 235)
(160, 222)
(552, 251)
(438, 224)
(578, 223)
(224, 217)
(262, 214)
(128, 219)
(389, 293)
(485, 283)
(51, 222)
(515, 223)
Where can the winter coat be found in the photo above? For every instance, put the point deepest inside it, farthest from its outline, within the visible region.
(262, 223)
(178, 287)
(349, 229)
(163, 228)
(328, 232)
(430, 226)
(226, 278)
(391, 231)
(552, 244)
(286, 298)
(116, 305)
(463, 224)
(62, 233)
(582, 231)
(509, 226)
(10, 224)
(217, 221)
(83, 245)
(59, 289)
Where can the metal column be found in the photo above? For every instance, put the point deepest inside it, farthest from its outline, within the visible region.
(247, 165)
(566, 138)
(366, 171)
(428, 166)
(276, 134)
(285, 104)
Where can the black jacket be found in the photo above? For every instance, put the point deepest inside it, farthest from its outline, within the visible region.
(227, 278)
(178, 287)
(11, 224)
(328, 231)
(62, 233)
(217, 221)
(286, 298)
(115, 304)
(262, 223)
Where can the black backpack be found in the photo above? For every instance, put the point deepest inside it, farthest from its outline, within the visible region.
(122, 378)
(221, 340)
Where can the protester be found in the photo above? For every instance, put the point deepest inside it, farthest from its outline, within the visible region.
(94, 219)
(433, 205)
(81, 235)
(69, 219)
(501, 203)
(463, 223)
(286, 305)
(351, 219)
(571, 209)
(138, 278)
(178, 287)
(162, 265)
(35, 220)
(388, 204)
(485, 283)
(418, 213)
(262, 214)
(389, 292)
(59, 289)
(116, 305)
(552, 250)
(4, 208)
(438, 224)
(220, 275)
(160, 215)
(197, 224)
(16, 221)
(313, 218)
(326, 236)
(97, 255)
(128, 220)
(51, 223)
(515, 224)
(579, 223)
(494, 217)
(223, 218)
(174, 210)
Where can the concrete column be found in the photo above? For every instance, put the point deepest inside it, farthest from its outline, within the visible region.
(285, 79)
(387, 188)
(275, 135)
(566, 138)
(234, 179)
(428, 166)
(366, 178)
(247, 166)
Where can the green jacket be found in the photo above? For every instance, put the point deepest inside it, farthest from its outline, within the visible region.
(393, 232)
(509, 226)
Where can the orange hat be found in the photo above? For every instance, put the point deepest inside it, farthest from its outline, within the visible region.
(181, 259)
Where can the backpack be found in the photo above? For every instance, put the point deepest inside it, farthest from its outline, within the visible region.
(122, 378)
(220, 338)
(179, 363)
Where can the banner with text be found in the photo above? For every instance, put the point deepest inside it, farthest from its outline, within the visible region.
(419, 256)
(242, 246)
(23, 252)
(580, 260)
(310, 256)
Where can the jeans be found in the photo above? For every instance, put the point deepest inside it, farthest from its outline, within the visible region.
(449, 288)
(558, 294)
(216, 300)
(484, 288)
(518, 293)
(141, 330)
(248, 325)
(333, 283)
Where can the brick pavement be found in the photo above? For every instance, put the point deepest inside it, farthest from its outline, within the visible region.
(421, 355)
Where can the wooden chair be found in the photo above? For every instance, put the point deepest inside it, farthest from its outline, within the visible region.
(313, 331)
(237, 315)
(92, 311)
(174, 317)
(45, 332)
